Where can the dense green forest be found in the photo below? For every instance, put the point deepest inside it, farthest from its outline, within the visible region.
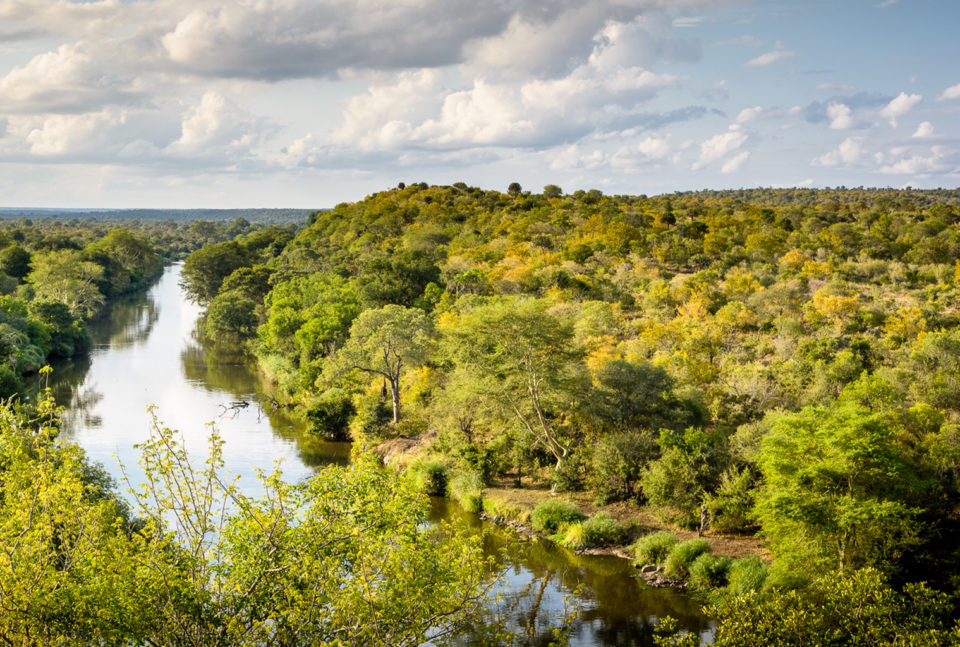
(773, 362)
(57, 274)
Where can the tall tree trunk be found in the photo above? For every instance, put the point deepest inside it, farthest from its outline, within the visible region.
(395, 392)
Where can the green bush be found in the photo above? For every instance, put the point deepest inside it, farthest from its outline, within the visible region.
(746, 574)
(330, 415)
(710, 571)
(603, 530)
(683, 555)
(782, 579)
(654, 548)
(732, 506)
(549, 515)
(616, 462)
(575, 537)
(466, 488)
(430, 476)
(570, 476)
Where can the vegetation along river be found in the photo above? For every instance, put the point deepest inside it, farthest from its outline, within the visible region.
(145, 353)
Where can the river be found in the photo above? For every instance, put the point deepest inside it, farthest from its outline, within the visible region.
(145, 354)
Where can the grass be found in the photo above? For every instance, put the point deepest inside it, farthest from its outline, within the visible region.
(466, 488)
(430, 476)
(682, 556)
(549, 515)
(654, 548)
(710, 571)
(746, 574)
(603, 530)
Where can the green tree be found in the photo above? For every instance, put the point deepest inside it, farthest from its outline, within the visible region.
(65, 276)
(386, 342)
(526, 365)
(837, 491)
(205, 269)
(230, 317)
(15, 261)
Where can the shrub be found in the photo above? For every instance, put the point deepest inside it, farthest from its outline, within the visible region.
(466, 488)
(781, 579)
(746, 574)
(603, 530)
(682, 556)
(575, 537)
(616, 463)
(654, 548)
(549, 515)
(330, 415)
(732, 505)
(430, 476)
(710, 571)
(570, 476)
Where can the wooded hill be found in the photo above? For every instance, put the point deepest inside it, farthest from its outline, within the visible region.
(790, 358)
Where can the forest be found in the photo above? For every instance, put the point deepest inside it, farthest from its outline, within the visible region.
(776, 364)
(777, 370)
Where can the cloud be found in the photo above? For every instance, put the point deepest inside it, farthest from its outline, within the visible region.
(749, 114)
(215, 126)
(847, 154)
(953, 92)
(770, 58)
(925, 129)
(834, 87)
(734, 163)
(655, 147)
(899, 106)
(921, 163)
(817, 111)
(840, 116)
(67, 80)
(720, 145)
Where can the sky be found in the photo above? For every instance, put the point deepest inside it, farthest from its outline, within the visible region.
(308, 103)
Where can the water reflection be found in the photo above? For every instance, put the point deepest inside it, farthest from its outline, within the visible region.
(616, 606)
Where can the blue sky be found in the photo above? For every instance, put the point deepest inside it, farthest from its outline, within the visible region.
(306, 103)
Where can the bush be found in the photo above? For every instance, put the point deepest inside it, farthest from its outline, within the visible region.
(466, 488)
(549, 515)
(616, 463)
(781, 579)
(654, 548)
(683, 555)
(732, 506)
(330, 415)
(710, 571)
(429, 476)
(575, 537)
(570, 477)
(603, 530)
(746, 574)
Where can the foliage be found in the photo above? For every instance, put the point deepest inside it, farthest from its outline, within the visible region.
(429, 476)
(466, 488)
(859, 608)
(838, 492)
(384, 342)
(746, 574)
(330, 414)
(602, 529)
(731, 506)
(710, 571)
(653, 548)
(550, 514)
(207, 564)
(682, 556)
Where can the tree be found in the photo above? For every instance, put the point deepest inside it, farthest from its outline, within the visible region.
(514, 189)
(230, 316)
(386, 342)
(552, 191)
(526, 365)
(205, 269)
(837, 490)
(15, 261)
(65, 276)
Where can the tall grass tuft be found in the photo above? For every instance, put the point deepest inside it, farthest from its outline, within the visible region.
(682, 556)
(654, 548)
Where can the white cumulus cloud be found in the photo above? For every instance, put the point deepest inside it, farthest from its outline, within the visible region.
(899, 106)
(847, 153)
(734, 163)
(925, 129)
(840, 116)
(953, 92)
(770, 58)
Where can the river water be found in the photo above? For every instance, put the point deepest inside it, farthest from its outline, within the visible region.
(146, 355)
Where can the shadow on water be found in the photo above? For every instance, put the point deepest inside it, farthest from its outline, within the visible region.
(615, 606)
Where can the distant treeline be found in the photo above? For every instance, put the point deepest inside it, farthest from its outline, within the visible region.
(265, 216)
